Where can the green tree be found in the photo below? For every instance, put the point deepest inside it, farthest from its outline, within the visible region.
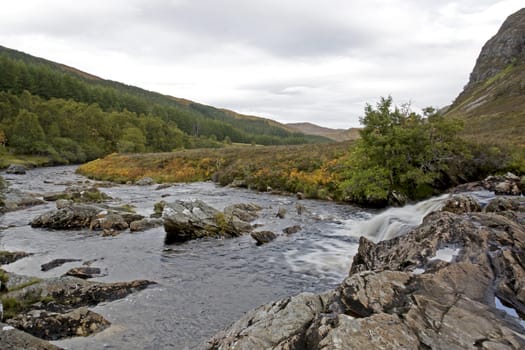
(132, 141)
(400, 153)
(27, 135)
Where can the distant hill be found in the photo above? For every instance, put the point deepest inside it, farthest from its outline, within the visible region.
(492, 104)
(46, 79)
(333, 134)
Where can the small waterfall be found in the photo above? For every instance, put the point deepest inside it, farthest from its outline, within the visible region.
(396, 221)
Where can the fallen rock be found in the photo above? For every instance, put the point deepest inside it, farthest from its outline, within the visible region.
(54, 326)
(16, 169)
(56, 263)
(263, 237)
(84, 272)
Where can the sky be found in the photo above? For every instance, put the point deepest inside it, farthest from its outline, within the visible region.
(317, 61)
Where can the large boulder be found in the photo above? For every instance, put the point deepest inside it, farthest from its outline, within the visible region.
(195, 219)
(13, 339)
(75, 216)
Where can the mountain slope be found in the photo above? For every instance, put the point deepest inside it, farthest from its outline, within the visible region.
(47, 79)
(492, 104)
(334, 134)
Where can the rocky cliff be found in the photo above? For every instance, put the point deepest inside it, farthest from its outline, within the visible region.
(492, 104)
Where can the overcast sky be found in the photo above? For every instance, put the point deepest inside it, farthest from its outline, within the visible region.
(289, 60)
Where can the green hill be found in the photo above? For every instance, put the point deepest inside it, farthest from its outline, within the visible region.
(492, 104)
(55, 94)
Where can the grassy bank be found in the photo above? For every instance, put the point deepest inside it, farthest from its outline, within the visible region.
(313, 170)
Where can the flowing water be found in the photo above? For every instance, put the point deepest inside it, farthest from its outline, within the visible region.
(205, 285)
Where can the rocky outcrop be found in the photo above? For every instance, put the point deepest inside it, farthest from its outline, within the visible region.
(508, 184)
(145, 224)
(84, 272)
(440, 286)
(15, 199)
(195, 219)
(75, 216)
(501, 50)
(56, 263)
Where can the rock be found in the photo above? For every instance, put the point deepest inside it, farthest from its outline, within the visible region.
(16, 169)
(460, 204)
(273, 326)
(246, 212)
(84, 272)
(130, 217)
(73, 217)
(145, 181)
(300, 195)
(397, 199)
(56, 263)
(145, 224)
(281, 213)
(292, 229)
(15, 199)
(263, 237)
(10, 257)
(508, 184)
(108, 221)
(13, 339)
(158, 208)
(78, 194)
(500, 204)
(238, 183)
(163, 187)
(53, 326)
(436, 287)
(192, 220)
(63, 203)
(300, 208)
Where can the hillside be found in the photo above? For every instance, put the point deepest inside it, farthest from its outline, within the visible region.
(333, 134)
(45, 79)
(492, 104)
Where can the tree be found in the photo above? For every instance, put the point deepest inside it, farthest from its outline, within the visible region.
(400, 153)
(27, 135)
(3, 138)
(132, 141)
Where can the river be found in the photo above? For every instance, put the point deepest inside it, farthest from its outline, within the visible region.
(203, 286)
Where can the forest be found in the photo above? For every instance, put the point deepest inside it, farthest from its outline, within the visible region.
(53, 110)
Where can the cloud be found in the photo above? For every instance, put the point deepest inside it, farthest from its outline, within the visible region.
(295, 60)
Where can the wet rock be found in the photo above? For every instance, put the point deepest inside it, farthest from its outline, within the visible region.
(300, 208)
(158, 208)
(460, 204)
(73, 217)
(13, 339)
(145, 181)
(108, 221)
(16, 169)
(435, 287)
(10, 257)
(263, 237)
(281, 213)
(163, 186)
(502, 203)
(130, 217)
(15, 199)
(56, 263)
(63, 203)
(292, 229)
(246, 212)
(145, 224)
(300, 195)
(508, 184)
(192, 220)
(78, 194)
(238, 183)
(84, 272)
(53, 326)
